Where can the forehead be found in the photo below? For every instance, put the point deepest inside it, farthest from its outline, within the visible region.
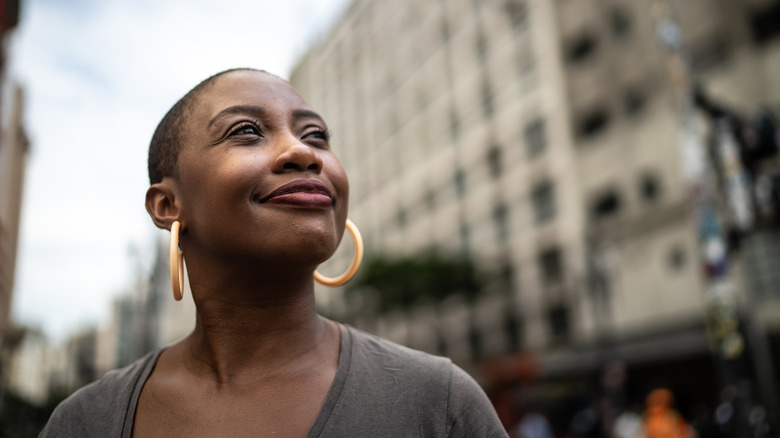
(246, 87)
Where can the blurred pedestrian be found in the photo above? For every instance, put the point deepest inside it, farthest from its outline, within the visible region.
(628, 424)
(533, 425)
(660, 420)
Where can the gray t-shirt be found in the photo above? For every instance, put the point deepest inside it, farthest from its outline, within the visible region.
(381, 389)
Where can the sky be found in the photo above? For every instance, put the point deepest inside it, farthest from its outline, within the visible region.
(98, 77)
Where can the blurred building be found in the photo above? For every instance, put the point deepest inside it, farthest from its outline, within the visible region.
(147, 317)
(30, 368)
(173, 320)
(542, 139)
(14, 148)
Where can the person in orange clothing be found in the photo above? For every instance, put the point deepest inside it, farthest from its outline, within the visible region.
(660, 420)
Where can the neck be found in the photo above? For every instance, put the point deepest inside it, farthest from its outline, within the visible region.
(255, 327)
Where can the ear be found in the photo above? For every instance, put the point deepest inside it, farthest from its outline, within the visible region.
(162, 204)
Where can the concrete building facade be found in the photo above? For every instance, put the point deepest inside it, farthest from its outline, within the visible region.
(542, 139)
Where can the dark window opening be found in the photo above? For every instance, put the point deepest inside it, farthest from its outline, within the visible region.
(649, 188)
(535, 137)
(606, 204)
(487, 98)
(517, 12)
(482, 47)
(441, 344)
(454, 125)
(634, 103)
(512, 329)
(501, 222)
(475, 343)
(445, 30)
(507, 278)
(430, 199)
(460, 183)
(765, 23)
(551, 266)
(676, 258)
(558, 321)
(593, 123)
(582, 48)
(543, 202)
(465, 236)
(619, 23)
(401, 218)
(494, 161)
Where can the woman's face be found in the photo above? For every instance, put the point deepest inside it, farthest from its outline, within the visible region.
(257, 177)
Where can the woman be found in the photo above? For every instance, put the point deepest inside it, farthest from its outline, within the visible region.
(242, 171)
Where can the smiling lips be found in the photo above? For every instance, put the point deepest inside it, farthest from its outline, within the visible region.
(309, 193)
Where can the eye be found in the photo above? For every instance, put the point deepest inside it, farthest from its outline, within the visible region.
(245, 128)
(317, 134)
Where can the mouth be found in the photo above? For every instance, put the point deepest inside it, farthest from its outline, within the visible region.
(309, 193)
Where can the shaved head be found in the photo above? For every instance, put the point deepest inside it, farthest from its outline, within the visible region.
(167, 139)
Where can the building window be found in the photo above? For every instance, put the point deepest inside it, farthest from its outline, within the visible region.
(551, 266)
(765, 23)
(633, 103)
(593, 122)
(482, 47)
(465, 236)
(535, 137)
(512, 330)
(507, 278)
(676, 258)
(430, 199)
(445, 30)
(454, 125)
(649, 188)
(475, 343)
(441, 344)
(487, 98)
(605, 204)
(543, 202)
(401, 218)
(581, 48)
(517, 12)
(460, 183)
(494, 161)
(501, 222)
(558, 321)
(619, 23)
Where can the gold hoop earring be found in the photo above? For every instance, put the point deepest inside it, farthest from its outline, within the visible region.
(177, 263)
(356, 260)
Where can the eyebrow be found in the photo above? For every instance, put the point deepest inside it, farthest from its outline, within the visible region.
(237, 109)
(304, 113)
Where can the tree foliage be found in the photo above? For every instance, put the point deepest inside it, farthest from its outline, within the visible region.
(402, 282)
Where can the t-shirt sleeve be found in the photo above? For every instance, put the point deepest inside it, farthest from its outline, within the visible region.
(102, 408)
(469, 412)
(67, 420)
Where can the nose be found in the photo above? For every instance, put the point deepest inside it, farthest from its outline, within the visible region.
(296, 155)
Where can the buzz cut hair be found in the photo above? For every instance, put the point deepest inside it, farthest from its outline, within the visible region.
(167, 139)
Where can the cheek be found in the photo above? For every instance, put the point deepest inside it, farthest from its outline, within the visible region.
(222, 178)
(338, 177)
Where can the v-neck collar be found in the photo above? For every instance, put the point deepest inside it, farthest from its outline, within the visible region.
(331, 400)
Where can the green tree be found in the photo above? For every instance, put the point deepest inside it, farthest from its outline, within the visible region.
(402, 282)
